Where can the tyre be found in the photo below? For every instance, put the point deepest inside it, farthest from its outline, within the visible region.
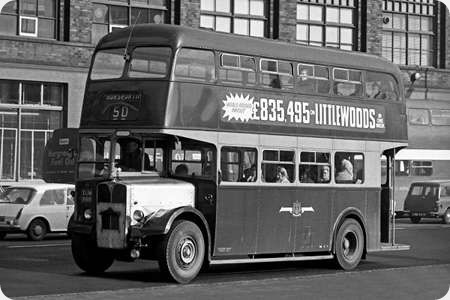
(415, 220)
(446, 216)
(37, 230)
(89, 257)
(182, 252)
(2, 235)
(349, 244)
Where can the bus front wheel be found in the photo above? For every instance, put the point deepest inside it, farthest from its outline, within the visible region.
(89, 257)
(182, 252)
(349, 244)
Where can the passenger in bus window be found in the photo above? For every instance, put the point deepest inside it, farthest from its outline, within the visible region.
(275, 82)
(305, 174)
(344, 170)
(282, 175)
(325, 174)
(250, 174)
(131, 160)
(181, 170)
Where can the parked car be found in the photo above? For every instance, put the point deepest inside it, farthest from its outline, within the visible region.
(36, 209)
(428, 199)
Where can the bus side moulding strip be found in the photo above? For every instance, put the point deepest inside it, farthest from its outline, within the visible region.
(390, 247)
(273, 259)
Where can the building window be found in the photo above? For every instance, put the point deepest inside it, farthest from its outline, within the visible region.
(29, 112)
(34, 18)
(245, 17)
(329, 23)
(108, 17)
(408, 36)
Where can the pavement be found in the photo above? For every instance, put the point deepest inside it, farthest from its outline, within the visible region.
(421, 282)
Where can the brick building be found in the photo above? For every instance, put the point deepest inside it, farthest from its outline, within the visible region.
(46, 45)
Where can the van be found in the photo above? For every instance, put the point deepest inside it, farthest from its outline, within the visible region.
(428, 199)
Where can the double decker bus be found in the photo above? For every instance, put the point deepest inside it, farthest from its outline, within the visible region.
(199, 148)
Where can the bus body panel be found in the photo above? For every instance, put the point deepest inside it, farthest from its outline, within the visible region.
(262, 220)
(204, 107)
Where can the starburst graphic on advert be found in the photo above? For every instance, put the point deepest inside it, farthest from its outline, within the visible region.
(238, 107)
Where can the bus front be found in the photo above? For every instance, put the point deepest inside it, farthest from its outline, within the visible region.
(133, 178)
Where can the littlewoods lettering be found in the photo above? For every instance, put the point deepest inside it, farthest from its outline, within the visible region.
(292, 112)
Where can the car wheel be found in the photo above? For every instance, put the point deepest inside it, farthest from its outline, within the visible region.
(89, 257)
(2, 235)
(446, 216)
(349, 244)
(415, 220)
(37, 230)
(182, 252)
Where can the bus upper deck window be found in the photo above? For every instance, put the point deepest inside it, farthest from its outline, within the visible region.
(381, 86)
(312, 79)
(194, 64)
(108, 64)
(150, 62)
(347, 82)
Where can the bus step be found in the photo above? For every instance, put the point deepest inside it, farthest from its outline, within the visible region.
(394, 247)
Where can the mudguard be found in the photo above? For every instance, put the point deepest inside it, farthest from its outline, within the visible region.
(347, 212)
(161, 222)
(80, 228)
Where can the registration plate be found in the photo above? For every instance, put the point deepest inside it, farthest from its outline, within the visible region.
(418, 214)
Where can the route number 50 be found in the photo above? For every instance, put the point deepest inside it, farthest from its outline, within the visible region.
(120, 112)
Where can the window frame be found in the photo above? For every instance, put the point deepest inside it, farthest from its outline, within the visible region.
(324, 24)
(408, 9)
(232, 16)
(278, 163)
(240, 164)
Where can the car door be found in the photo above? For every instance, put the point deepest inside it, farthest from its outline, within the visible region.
(53, 208)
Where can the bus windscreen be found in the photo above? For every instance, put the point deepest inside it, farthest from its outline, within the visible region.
(108, 64)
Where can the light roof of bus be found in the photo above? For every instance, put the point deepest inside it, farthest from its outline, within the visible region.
(179, 36)
(423, 154)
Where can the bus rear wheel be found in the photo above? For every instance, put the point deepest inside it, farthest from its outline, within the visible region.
(89, 257)
(349, 244)
(415, 220)
(182, 252)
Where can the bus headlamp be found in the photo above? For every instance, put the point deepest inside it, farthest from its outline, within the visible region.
(88, 214)
(138, 215)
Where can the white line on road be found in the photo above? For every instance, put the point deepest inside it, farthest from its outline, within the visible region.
(39, 245)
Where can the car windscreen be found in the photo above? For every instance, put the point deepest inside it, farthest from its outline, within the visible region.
(18, 195)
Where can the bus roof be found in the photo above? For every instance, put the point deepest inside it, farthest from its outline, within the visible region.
(179, 36)
(423, 154)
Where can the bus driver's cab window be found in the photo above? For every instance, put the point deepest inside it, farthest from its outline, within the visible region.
(349, 167)
(130, 156)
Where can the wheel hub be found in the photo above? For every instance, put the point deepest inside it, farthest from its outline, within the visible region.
(187, 251)
(37, 230)
(349, 245)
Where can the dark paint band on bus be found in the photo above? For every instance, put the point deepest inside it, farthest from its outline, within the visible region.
(212, 104)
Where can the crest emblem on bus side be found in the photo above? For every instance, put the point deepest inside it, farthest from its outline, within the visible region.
(296, 210)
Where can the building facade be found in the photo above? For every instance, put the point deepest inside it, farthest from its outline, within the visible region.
(46, 46)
